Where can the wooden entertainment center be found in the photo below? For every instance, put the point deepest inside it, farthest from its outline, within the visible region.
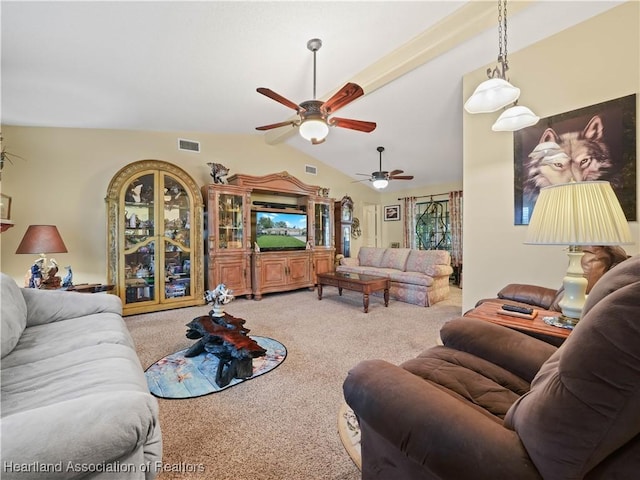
(232, 255)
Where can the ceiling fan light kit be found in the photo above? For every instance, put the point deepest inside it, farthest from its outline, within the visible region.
(380, 179)
(314, 130)
(314, 122)
(496, 93)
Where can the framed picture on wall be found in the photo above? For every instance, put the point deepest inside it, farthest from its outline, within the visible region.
(5, 207)
(391, 213)
(597, 142)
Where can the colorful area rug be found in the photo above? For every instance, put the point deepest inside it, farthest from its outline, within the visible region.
(176, 376)
(350, 433)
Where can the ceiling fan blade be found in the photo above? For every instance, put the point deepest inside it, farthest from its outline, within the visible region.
(365, 180)
(360, 125)
(317, 142)
(395, 172)
(276, 125)
(344, 96)
(365, 174)
(401, 177)
(279, 98)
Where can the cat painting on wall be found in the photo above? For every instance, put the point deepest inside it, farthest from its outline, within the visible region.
(593, 143)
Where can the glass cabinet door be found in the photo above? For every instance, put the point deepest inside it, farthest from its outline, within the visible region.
(230, 221)
(139, 236)
(154, 237)
(176, 238)
(322, 225)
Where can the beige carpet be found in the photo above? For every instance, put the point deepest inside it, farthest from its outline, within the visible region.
(282, 425)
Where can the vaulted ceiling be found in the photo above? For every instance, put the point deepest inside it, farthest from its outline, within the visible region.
(195, 66)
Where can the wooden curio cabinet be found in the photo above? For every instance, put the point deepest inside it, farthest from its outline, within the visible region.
(232, 234)
(154, 237)
(228, 243)
(344, 222)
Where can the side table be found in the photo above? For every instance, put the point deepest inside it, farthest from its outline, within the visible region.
(90, 288)
(537, 328)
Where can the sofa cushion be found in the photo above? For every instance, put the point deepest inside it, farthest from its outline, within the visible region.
(395, 258)
(584, 404)
(428, 262)
(411, 278)
(13, 314)
(370, 256)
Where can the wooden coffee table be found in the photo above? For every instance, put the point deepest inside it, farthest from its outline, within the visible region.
(366, 284)
(488, 311)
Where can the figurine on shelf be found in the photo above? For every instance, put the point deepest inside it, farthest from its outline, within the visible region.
(34, 276)
(218, 172)
(133, 193)
(67, 281)
(50, 280)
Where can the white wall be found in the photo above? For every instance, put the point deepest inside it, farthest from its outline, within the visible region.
(590, 63)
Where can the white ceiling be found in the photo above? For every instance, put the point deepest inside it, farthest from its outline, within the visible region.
(195, 66)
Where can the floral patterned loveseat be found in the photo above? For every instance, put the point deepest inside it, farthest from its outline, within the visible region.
(420, 277)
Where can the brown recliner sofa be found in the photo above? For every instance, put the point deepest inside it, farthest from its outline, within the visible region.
(596, 261)
(494, 403)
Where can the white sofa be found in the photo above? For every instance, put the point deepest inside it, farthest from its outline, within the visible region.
(420, 277)
(75, 402)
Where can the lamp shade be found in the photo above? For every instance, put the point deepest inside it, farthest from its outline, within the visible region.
(314, 129)
(515, 118)
(491, 95)
(578, 213)
(42, 239)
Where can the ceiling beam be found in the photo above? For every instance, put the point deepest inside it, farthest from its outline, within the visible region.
(473, 18)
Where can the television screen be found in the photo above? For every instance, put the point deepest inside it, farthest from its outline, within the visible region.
(281, 231)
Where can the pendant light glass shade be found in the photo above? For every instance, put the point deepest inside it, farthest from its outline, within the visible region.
(515, 118)
(380, 183)
(492, 95)
(314, 129)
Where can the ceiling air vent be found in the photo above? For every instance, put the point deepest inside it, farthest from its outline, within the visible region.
(310, 169)
(188, 145)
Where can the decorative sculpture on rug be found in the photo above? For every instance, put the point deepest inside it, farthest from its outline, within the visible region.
(218, 297)
(225, 337)
(218, 172)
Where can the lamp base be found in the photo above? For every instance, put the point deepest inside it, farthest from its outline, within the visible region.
(575, 286)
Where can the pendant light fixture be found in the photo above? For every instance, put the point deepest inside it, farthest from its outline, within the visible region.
(496, 92)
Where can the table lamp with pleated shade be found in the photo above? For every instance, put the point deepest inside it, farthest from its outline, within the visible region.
(577, 214)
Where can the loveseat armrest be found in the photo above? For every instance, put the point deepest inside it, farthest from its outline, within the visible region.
(47, 306)
(446, 437)
(438, 270)
(535, 295)
(350, 261)
(514, 351)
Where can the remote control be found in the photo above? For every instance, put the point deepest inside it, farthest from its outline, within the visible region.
(515, 308)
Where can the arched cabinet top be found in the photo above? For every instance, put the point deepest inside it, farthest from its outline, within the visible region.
(125, 174)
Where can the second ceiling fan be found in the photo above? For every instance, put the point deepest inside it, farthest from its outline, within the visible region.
(380, 179)
(314, 121)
